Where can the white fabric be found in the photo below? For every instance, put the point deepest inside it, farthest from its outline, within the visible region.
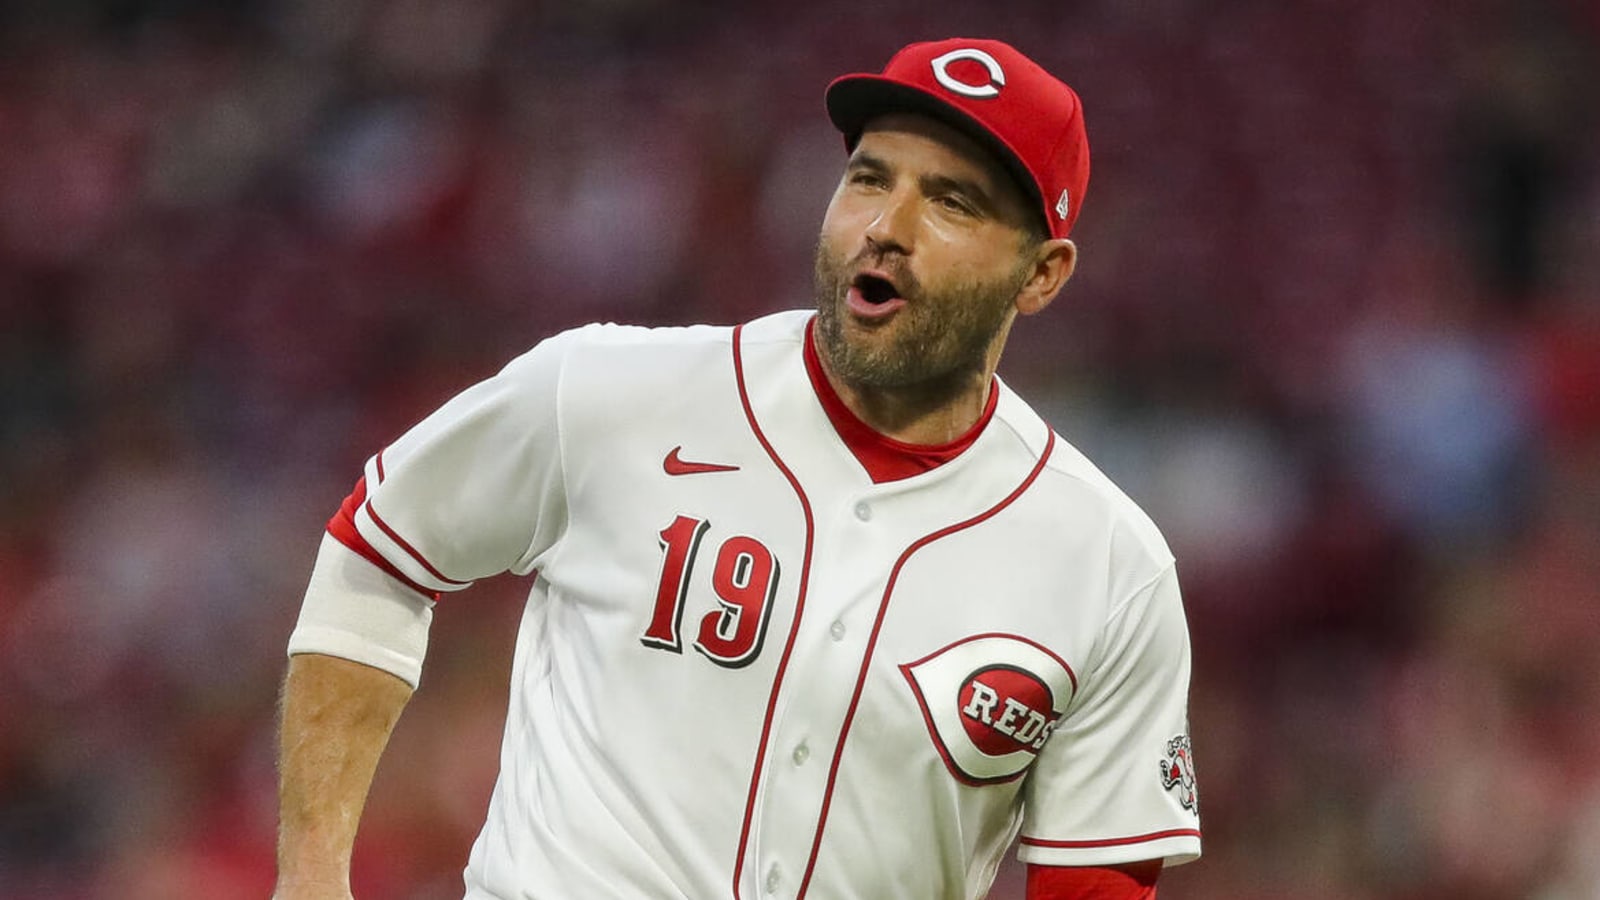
(863, 721)
(1128, 706)
(355, 611)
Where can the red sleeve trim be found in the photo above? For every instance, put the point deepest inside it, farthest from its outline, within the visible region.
(343, 529)
(1115, 842)
(1133, 881)
(410, 550)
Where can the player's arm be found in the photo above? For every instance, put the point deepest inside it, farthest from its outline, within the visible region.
(471, 491)
(1131, 881)
(356, 655)
(337, 717)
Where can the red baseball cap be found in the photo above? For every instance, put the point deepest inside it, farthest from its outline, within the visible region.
(1027, 117)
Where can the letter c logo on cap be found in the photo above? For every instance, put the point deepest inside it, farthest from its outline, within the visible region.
(997, 75)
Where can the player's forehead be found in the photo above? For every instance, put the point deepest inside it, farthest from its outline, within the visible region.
(912, 138)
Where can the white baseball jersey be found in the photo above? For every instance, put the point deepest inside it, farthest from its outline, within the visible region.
(748, 670)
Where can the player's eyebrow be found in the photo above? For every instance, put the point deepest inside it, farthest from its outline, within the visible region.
(861, 159)
(931, 185)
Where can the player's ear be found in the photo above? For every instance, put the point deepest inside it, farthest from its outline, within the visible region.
(1054, 261)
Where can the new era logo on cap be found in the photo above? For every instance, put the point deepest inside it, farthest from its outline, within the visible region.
(1030, 119)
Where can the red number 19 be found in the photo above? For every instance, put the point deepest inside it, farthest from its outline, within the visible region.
(745, 579)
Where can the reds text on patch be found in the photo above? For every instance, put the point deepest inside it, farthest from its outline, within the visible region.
(990, 703)
(1005, 709)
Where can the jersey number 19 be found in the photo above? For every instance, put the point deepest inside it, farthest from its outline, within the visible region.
(744, 579)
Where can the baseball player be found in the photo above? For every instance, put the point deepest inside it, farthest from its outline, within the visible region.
(820, 608)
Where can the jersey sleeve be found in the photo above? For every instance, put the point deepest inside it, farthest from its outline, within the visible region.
(1115, 781)
(353, 610)
(473, 490)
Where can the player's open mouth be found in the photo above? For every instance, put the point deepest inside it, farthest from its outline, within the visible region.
(875, 290)
(873, 296)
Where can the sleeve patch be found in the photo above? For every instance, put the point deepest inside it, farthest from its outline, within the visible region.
(1177, 772)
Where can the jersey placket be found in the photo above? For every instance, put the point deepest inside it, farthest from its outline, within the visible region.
(831, 647)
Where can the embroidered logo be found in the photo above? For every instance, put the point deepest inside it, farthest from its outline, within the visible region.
(990, 702)
(1005, 709)
(1063, 205)
(1177, 771)
(990, 88)
(675, 465)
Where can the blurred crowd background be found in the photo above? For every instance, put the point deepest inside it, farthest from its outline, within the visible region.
(1337, 327)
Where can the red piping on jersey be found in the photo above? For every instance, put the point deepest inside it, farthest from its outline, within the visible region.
(877, 625)
(1115, 842)
(1071, 675)
(401, 542)
(410, 550)
(799, 608)
(342, 527)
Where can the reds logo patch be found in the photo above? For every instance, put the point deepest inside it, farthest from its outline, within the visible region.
(1177, 771)
(990, 702)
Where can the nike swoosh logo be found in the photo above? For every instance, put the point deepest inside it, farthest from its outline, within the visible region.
(676, 465)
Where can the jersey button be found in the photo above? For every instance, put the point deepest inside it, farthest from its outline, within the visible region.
(836, 630)
(801, 754)
(863, 510)
(772, 879)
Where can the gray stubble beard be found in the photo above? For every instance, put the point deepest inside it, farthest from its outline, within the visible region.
(925, 352)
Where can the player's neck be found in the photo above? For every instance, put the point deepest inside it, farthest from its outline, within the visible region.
(931, 413)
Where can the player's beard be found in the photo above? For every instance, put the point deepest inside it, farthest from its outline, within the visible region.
(940, 336)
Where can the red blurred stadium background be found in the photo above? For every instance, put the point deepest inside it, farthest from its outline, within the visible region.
(1337, 326)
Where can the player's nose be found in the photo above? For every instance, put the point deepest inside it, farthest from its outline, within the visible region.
(894, 222)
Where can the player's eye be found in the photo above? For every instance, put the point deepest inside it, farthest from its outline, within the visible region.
(954, 204)
(868, 178)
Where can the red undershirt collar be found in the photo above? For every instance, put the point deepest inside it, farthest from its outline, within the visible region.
(885, 458)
